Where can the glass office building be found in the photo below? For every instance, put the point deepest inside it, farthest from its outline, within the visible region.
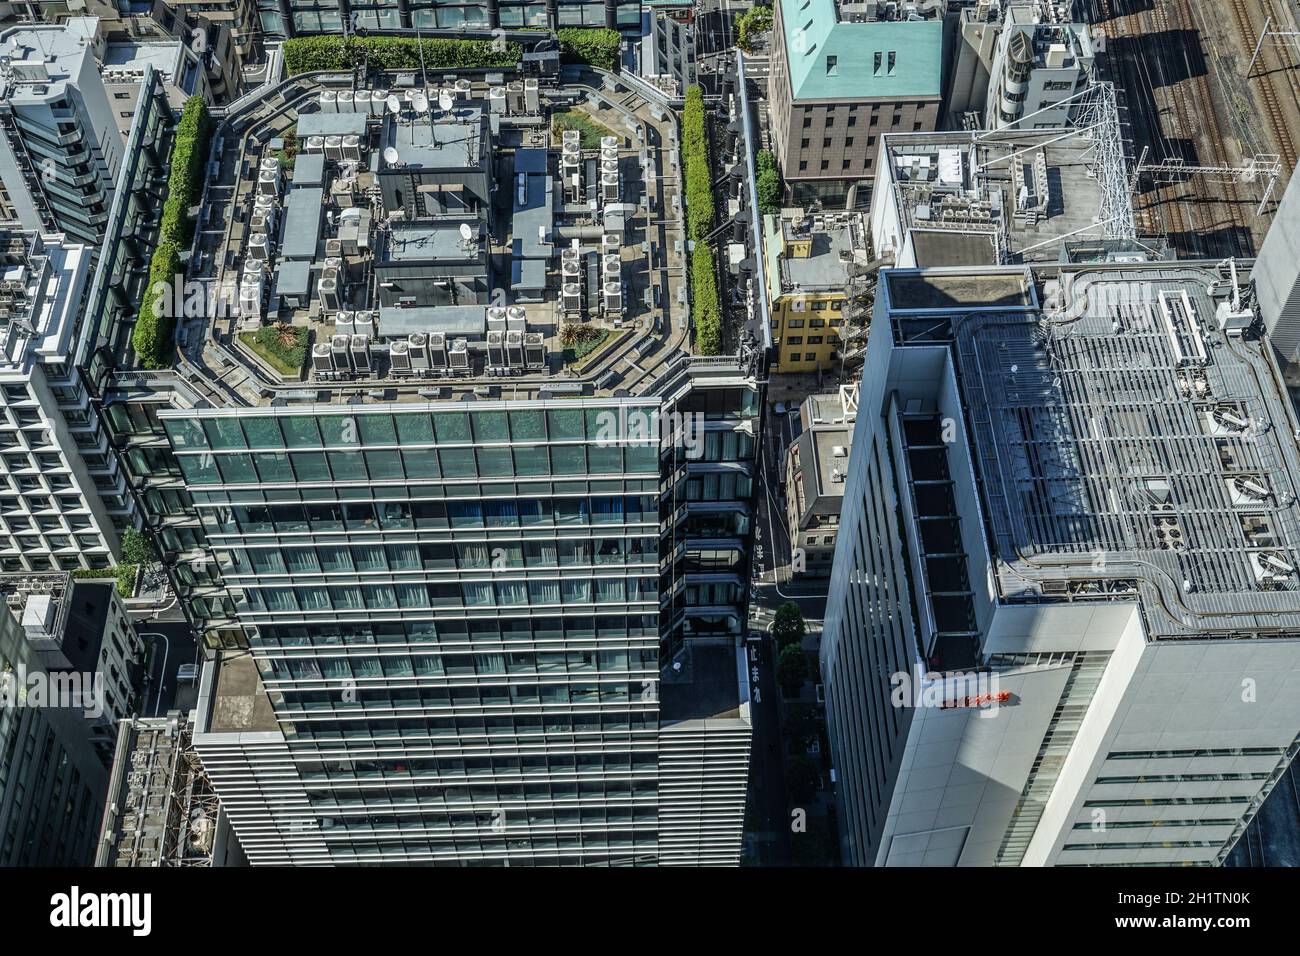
(289, 18)
(454, 616)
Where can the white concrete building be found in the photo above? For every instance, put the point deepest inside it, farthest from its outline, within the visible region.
(60, 142)
(57, 475)
(1076, 486)
(1014, 58)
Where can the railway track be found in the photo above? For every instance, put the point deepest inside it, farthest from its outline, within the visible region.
(1268, 97)
(1210, 215)
(1174, 112)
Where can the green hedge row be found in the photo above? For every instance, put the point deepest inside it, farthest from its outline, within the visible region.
(185, 184)
(124, 575)
(768, 183)
(155, 325)
(309, 54)
(597, 46)
(699, 178)
(706, 312)
(705, 309)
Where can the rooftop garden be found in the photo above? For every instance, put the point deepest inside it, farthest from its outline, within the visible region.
(310, 54)
(283, 347)
(579, 119)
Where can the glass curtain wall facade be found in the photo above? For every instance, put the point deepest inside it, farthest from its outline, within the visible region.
(459, 616)
(455, 616)
(288, 18)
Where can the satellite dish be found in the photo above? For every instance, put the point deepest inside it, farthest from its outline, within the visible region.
(466, 232)
(393, 103)
(390, 155)
(421, 102)
(444, 100)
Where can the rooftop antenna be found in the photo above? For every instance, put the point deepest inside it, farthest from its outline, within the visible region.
(424, 75)
(466, 234)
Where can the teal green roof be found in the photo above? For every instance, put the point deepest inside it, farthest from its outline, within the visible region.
(812, 34)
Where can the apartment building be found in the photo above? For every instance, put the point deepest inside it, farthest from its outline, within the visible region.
(60, 148)
(841, 76)
(1041, 63)
(221, 36)
(1018, 64)
(63, 497)
(1277, 279)
(55, 478)
(815, 265)
(816, 466)
(82, 627)
(1062, 617)
(972, 198)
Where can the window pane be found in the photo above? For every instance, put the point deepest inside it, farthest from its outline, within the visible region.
(457, 462)
(490, 426)
(236, 468)
(338, 430)
(199, 469)
(186, 434)
(605, 459)
(421, 463)
(224, 433)
(262, 433)
(300, 431)
(347, 465)
(494, 462)
(532, 460)
(377, 429)
(527, 425)
(384, 464)
(451, 426)
(568, 460)
(414, 428)
(310, 465)
(273, 466)
(565, 424)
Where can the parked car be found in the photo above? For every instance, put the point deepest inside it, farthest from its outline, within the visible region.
(187, 673)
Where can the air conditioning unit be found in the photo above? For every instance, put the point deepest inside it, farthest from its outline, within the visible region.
(360, 349)
(418, 346)
(399, 357)
(458, 356)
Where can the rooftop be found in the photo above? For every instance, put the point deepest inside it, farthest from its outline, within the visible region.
(44, 57)
(832, 59)
(435, 145)
(1125, 445)
(161, 810)
(812, 254)
(706, 686)
(972, 198)
(239, 703)
(646, 348)
(42, 283)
